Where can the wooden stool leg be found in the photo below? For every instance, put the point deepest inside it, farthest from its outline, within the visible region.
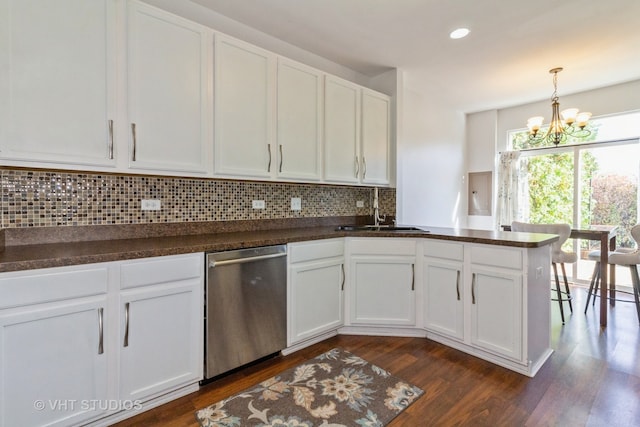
(566, 287)
(594, 280)
(559, 293)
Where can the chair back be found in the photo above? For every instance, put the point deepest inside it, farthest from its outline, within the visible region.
(629, 256)
(562, 230)
(635, 233)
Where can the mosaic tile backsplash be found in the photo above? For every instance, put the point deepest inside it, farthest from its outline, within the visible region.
(40, 198)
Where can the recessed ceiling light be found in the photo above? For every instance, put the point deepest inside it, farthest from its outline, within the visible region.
(459, 33)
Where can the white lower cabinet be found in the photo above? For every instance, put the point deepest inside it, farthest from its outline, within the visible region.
(489, 301)
(382, 281)
(53, 345)
(316, 288)
(444, 296)
(160, 309)
(496, 311)
(63, 357)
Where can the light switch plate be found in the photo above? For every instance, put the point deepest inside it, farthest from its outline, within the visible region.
(150, 204)
(360, 204)
(296, 204)
(258, 204)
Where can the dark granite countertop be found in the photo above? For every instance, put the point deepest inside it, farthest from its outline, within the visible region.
(33, 249)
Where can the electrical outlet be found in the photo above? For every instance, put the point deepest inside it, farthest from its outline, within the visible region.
(296, 204)
(258, 204)
(150, 204)
(538, 272)
(360, 204)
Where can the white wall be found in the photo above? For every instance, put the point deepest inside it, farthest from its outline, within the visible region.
(487, 131)
(481, 149)
(430, 163)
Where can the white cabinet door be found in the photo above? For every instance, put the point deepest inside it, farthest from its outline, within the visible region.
(57, 94)
(161, 325)
(496, 311)
(54, 366)
(244, 103)
(298, 128)
(159, 339)
(383, 290)
(341, 130)
(167, 88)
(444, 297)
(316, 303)
(375, 137)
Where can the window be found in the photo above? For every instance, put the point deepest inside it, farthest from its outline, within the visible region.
(586, 183)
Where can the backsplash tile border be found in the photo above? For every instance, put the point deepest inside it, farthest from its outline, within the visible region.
(47, 198)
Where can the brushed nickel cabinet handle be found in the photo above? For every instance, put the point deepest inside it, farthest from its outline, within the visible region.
(280, 169)
(110, 139)
(357, 166)
(133, 134)
(269, 164)
(100, 330)
(343, 277)
(413, 277)
(364, 167)
(126, 325)
(458, 284)
(473, 290)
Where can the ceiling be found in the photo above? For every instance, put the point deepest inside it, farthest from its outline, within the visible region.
(504, 61)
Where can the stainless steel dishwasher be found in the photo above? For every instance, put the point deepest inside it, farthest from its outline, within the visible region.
(246, 307)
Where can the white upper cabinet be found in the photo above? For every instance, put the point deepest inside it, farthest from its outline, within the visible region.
(356, 134)
(341, 130)
(57, 72)
(123, 86)
(299, 108)
(375, 137)
(168, 60)
(244, 98)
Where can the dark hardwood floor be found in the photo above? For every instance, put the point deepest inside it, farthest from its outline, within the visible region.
(592, 379)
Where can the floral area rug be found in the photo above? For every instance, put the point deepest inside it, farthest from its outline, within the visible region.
(335, 389)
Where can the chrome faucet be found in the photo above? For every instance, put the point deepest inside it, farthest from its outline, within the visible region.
(376, 209)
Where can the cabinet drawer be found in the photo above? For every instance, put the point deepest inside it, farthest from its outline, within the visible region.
(440, 249)
(382, 246)
(161, 270)
(300, 252)
(51, 284)
(499, 257)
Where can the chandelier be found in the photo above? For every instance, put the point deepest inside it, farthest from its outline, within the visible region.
(568, 122)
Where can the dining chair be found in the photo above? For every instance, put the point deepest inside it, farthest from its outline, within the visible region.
(558, 256)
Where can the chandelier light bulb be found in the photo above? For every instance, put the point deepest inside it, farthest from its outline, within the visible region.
(582, 119)
(534, 123)
(569, 115)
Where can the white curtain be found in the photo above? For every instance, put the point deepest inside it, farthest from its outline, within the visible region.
(511, 184)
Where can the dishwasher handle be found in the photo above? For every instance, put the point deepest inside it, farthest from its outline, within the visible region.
(215, 263)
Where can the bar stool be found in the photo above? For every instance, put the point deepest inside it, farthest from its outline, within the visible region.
(595, 276)
(558, 256)
(631, 260)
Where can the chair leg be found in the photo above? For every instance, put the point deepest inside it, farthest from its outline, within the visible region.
(596, 287)
(636, 287)
(555, 273)
(594, 281)
(566, 287)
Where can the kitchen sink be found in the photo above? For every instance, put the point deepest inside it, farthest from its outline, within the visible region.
(382, 228)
